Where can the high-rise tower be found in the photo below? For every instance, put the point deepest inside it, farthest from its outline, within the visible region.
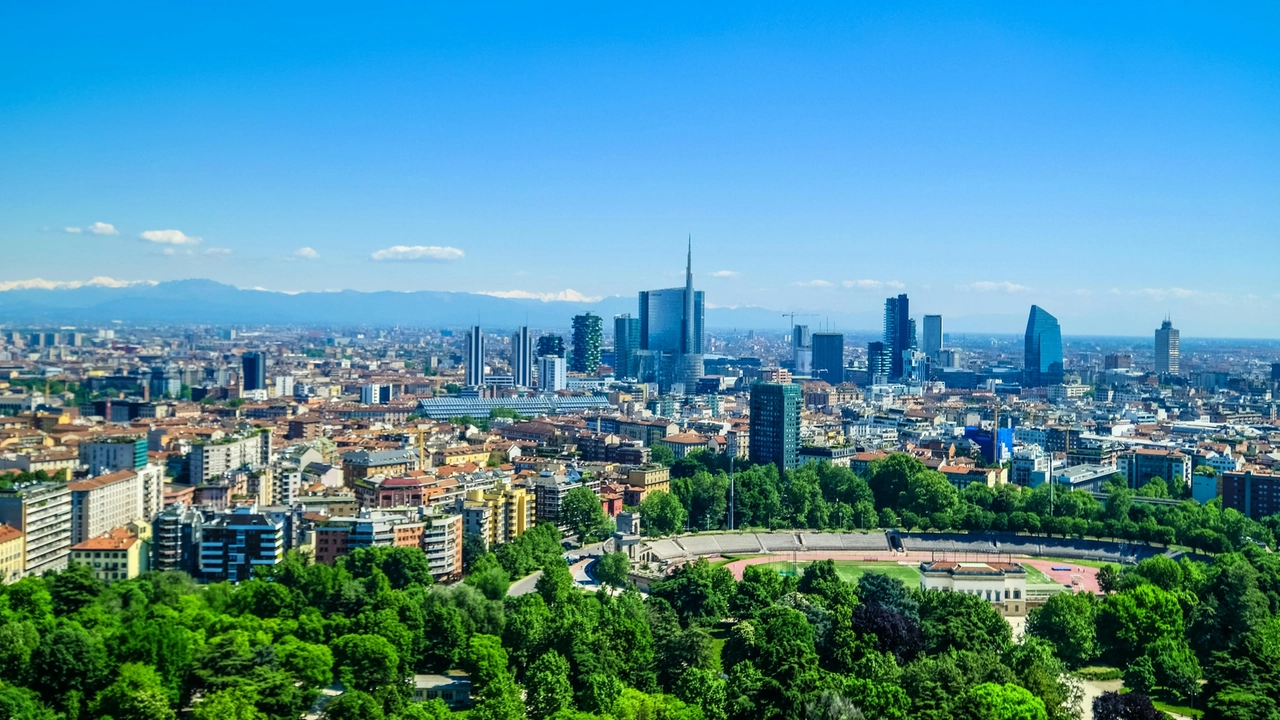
(932, 341)
(587, 332)
(254, 366)
(899, 332)
(671, 329)
(1043, 352)
(626, 342)
(522, 358)
(475, 357)
(1168, 352)
(828, 357)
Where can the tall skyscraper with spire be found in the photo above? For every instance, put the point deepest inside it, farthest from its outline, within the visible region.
(671, 329)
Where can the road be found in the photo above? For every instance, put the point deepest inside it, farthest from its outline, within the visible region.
(528, 584)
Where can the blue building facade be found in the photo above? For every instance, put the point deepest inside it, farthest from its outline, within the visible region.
(1043, 354)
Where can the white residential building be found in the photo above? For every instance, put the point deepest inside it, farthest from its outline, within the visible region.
(1003, 584)
(100, 504)
(210, 460)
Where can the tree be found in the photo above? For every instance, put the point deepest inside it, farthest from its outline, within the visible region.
(760, 587)
(889, 592)
(1108, 577)
(68, 660)
(74, 588)
(1067, 621)
(888, 477)
(19, 703)
(1129, 706)
(697, 591)
(1175, 667)
(137, 694)
(612, 569)
(18, 640)
(990, 701)
(556, 584)
(682, 650)
(581, 511)
(662, 455)
(703, 689)
(549, 690)
(661, 513)
(1140, 675)
(489, 577)
(1132, 620)
(893, 631)
(353, 705)
(498, 696)
(963, 622)
(1231, 606)
(308, 663)
(366, 662)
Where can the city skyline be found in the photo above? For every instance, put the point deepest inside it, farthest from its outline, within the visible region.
(1070, 151)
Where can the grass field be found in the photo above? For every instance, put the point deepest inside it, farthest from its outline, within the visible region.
(726, 559)
(1035, 577)
(851, 570)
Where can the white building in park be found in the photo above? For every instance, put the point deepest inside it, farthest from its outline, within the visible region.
(1003, 584)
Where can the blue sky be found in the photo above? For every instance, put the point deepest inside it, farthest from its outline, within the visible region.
(1109, 163)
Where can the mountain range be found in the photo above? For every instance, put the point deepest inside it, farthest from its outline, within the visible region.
(205, 302)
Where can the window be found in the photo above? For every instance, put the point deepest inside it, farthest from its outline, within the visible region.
(1017, 594)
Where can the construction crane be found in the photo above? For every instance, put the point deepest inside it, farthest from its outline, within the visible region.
(419, 432)
(794, 315)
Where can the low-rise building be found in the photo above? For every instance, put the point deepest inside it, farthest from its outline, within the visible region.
(1003, 584)
(12, 554)
(681, 444)
(1140, 465)
(454, 688)
(210, 459)
(359, 464)
(643, 480)
(108, 455)
(1089, 478)
(118, 554)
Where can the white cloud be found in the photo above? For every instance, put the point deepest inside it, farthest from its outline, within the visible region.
(421, 253)
(989, 286)
(812, 283)
(42, 284)
(306, 253)
(871, 284)
(725, 273)
(73, 230)
(101, 228)
(170, 237)
(568, 295)
(220, 252)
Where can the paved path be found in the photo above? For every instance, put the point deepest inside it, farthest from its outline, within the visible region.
(524, 585)
(581, 577)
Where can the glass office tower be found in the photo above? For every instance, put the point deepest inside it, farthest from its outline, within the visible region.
(1043, 355)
